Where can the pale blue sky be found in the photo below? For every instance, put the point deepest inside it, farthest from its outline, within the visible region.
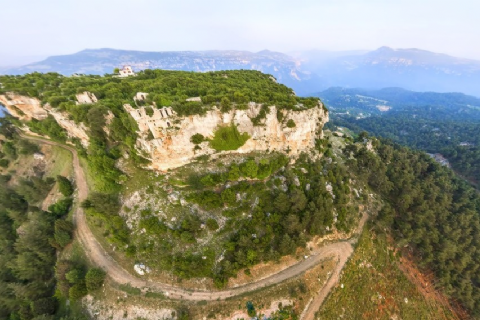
(32, 29)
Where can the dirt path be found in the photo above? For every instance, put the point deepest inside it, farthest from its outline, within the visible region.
(316, 303)
(98, 256)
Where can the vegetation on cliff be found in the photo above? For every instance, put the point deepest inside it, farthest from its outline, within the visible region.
(228, 138)
(165, 88)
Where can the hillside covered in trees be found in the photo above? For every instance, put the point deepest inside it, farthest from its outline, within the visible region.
(217, 216)
(433, 130)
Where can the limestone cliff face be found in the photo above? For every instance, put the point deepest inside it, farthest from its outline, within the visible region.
(164, 137)
(171, 146)
(24, 108)
(27, 108)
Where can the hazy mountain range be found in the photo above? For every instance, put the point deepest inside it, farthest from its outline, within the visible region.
(305, 72)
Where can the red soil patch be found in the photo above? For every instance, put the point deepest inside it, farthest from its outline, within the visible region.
(425, 283)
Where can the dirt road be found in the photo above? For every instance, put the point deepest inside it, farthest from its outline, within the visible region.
(316, 303)
(98, 256)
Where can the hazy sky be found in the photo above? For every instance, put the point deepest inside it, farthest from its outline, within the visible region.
(32, 29)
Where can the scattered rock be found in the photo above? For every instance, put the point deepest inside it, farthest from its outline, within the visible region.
(141, 269)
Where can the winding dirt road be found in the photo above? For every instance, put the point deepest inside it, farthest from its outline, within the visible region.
(99, 257)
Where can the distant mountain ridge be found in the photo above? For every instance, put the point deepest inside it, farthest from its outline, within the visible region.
(312, 71)
(101, 61)
(412, 69)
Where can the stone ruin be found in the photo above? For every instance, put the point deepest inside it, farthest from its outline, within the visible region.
(156, 123)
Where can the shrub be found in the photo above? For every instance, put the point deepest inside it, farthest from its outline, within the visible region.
(73, 276)
(61, 207)
(228, 138)
(78, 291)
(212, 224)
(26, 147)
(251, 309)
(153, 226)
(197, 138)
(228, 196)
(249, 169)
(4, 163)
(94, 279)
(149, 111)
(234, 173)
(43, 306)
(291, 123)
(207, 199)
(225, 104)
(65, 186)
(63, 232)
(9, 150)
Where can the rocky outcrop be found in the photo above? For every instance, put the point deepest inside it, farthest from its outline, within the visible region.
(23, 108)
(27, 108)
(86, 98)
(73, 129)
(165, 138)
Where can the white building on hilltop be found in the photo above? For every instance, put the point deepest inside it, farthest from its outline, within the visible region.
(126, 71)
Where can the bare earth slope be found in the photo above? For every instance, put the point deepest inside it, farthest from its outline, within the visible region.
(99, 257)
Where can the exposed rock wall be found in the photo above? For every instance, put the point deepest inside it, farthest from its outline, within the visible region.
(164, 137)
(23, 108)
(73, 129)
(171, 146)
(86, 98)
(32, 109)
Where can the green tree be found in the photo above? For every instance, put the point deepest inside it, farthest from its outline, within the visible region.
(225, 104)
(249, 169)
(234, 172)
(4, 163)
(43, 306)
(65, 186)
(197, 138)
(94, 279)
(78, 291)
(228, 196)
(291, 123)
(74, 275)
(228, 138)
(61, 207)
(251, 309)
(63, 232)
(212, 224)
